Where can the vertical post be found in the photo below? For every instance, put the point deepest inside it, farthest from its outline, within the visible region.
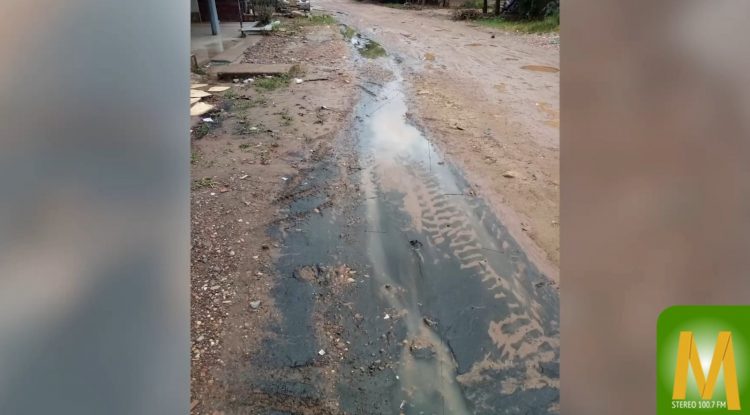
(214, 17)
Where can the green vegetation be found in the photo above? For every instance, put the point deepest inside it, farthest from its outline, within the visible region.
(202, 183)
(271, 83)
(348, 32)
(194, 157)
(230, 94)
(372, 50)
(319, 20)
(548, 24)
(201, 130)
(472, 4)
(244, 146)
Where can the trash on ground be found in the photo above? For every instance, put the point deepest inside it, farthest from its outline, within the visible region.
(208, 119)
(387, 317)
(255, 304)
(322, 352)
(298, 80)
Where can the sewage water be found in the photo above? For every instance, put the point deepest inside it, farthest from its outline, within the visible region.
(446, 315)
(479, 319)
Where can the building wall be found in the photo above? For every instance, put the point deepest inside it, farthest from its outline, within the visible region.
(227, 10)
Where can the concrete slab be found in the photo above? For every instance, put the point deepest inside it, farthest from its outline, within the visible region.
(218, 88)
(201, 108)
(197, 93)
(205, 46)
(234, 53)
(241, 70)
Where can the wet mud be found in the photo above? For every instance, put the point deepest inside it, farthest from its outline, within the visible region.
(400, 291)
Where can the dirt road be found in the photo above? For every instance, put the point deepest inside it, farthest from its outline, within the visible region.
(345, 259)
(491, 99)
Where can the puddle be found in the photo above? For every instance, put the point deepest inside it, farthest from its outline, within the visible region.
(455, 276)
(366, 47)
(445, 313)
(540, 68)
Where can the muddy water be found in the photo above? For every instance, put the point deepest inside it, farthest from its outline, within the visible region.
(442, 312)
(480, 321)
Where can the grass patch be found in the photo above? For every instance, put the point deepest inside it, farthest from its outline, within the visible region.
(319, 20)
(372, 50)
(230, 94)
(475, 4)
(194, 157)
(271, 83)
(548, 25)
(202, 183)
(348, 32)
(201, 130)
(241, 104)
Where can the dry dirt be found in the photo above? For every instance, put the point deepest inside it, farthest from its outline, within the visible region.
(481, 95)
(258, 141)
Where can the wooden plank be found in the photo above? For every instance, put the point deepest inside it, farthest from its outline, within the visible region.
(241, 70)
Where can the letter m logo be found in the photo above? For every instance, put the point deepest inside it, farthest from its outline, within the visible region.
(687, 355)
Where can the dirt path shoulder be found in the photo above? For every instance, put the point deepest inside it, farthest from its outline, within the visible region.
(267, 131)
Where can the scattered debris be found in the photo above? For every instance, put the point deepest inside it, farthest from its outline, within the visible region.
(421, 349)
(322, 352)
(255, 304)
(208, 119)
(298, 81)
(387, 317)
(415, 243)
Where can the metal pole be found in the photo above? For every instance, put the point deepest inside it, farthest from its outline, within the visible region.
(214, 17)
(239, 7)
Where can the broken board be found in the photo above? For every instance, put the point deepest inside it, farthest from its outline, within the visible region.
(241, 70)
(200, 108)
(218, 88)
(195, 93)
